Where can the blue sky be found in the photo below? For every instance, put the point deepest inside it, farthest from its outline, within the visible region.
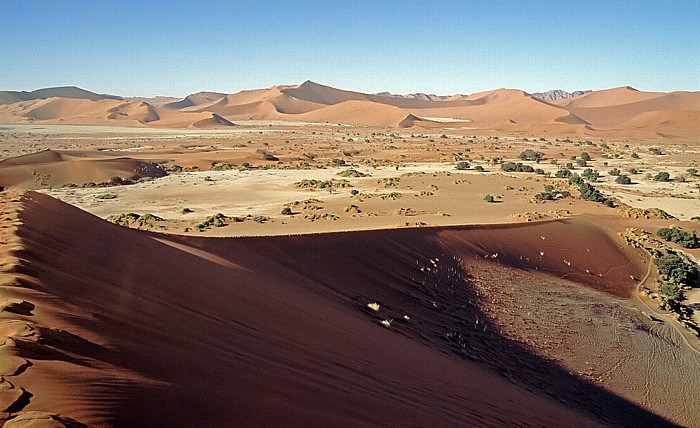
(444, 47)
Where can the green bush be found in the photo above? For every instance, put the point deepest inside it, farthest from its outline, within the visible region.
(623, 179)
(531, 155)
(462, 165)
(681, 237)
(106, 196)
(516, 167)
(489, 198)
(563, 173)
(662, 176)
(676, 269)
(286, 211)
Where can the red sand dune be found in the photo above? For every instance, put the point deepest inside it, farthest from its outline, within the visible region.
(605, 113)
(121, 327)
(53, 168)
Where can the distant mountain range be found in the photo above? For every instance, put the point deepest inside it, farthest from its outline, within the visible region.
(558, 94)
(615, 113)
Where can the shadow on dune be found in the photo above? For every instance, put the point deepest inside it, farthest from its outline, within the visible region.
(280, 332)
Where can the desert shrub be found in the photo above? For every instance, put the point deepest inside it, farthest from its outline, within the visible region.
(662, 176)
(623, 179)
(539, 171)
(686, 239)
(614, 171)
(531, 155)
(585, 156)
(581, 162)
(260, 219)
(588, 192)
(270, 157)
(692, 172)
(462, 165)
(489, 198)
(479, 168)
(106, 196)
(516, 167)
(670, 290)
(563, 173)
(286, 211)
(217, 220)
(676, 269)
(354, 192)
(389, 182)
(589, 174)
(352, 209)
(634, 155)
(655, 150)
(352, 173)
(338, 162)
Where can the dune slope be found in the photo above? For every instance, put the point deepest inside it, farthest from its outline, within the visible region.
(53, 168)
(112, 326)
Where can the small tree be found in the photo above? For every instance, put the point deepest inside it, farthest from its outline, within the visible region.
(662, 176)
(623, 179)
(531, 155)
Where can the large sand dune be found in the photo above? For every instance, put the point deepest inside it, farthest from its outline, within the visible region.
(52, 168)
(112, 326)
(605, 113)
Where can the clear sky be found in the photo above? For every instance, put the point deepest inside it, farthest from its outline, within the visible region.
(174, 48)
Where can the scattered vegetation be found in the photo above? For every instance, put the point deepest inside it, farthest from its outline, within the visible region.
(322, 184)
(678, 272)
(352, 173)
(551, 194)
(216, 220)
(588, 192)
(134, 220)
(389, 182)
